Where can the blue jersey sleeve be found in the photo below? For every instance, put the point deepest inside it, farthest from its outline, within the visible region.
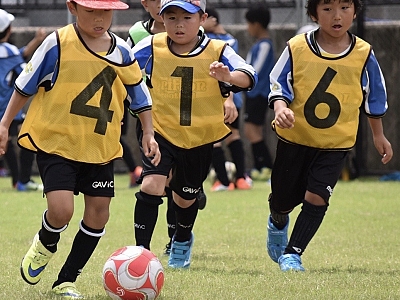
(143, 53)
(235, 62)
(374, 88)
(41, 70)
(139, 98)
(281, 79)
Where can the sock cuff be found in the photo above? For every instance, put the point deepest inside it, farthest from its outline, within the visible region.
(314, 210)
(90, 231)
(50, 228)
(149, 199)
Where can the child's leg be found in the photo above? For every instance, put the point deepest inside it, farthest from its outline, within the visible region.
(186, 214)
(145, 217)
(55, 220)
(171, 218)
(181, 248)
(12, 162)
(25, 165)
(306, 226)
(91, 229)
(237, 153)
(218, 162)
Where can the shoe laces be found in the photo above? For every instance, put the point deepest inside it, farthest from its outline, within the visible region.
(180, 249)
(292, 261)
(40, 258)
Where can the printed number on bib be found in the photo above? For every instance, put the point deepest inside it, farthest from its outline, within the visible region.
(102, 113)
(319, 96)
(186, 73)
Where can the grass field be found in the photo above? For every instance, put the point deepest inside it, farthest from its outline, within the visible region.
(353, 256)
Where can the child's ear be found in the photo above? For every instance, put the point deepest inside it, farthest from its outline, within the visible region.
(203, 18)
(72, 8)
(144, 4)
(355, 16)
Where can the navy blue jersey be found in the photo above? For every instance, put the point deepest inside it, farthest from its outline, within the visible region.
(261, 57)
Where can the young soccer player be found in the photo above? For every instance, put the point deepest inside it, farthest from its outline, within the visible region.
(12, 62)
(184, 72)
(261, 57)
(318, 86)
(137, 32)
(80, 75)
(153, 25)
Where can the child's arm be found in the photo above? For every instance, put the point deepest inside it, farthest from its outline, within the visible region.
(149, 144)
(16, 103)
(34, 43)
(381, 143)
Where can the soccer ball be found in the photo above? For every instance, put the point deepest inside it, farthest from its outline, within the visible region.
(133, 273)
(230, 170)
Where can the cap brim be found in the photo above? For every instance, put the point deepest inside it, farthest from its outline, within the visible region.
(189, 7)
(102, 4)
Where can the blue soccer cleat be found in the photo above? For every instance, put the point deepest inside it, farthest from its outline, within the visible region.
(180, 255)
(276, 240)
(290, 262)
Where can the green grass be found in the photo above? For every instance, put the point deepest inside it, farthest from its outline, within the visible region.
(353, 256)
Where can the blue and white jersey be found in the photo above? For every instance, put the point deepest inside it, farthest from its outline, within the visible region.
(231, 41)
(372, 81)
(226, 37)
(143, 54)
(44, 67)
(261, 57)
(11, 65)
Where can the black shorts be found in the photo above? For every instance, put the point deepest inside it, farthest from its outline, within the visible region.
(256, 110)
(298, 169)
(189, 166)
(58, 173)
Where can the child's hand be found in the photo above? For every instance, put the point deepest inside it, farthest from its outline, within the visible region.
(150, 148)
(220, 72)
(3, 139)
(284, 118)
(40, 35)
(230, 112)
(384, 148)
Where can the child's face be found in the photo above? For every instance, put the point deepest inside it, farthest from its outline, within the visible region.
(153, 8)
(92, 22)
(182, 27)
(252, 28)
(335, 17)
